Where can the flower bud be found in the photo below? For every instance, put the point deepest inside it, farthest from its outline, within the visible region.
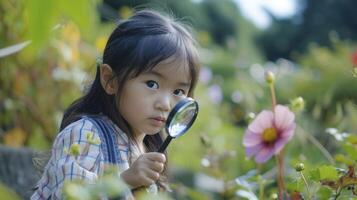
(299, 167)
(269, 77)
(274, 196)
(297, 104)
(250, 117)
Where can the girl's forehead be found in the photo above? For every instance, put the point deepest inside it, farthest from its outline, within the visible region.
(177, 60)
(172, 72)
(173, 65)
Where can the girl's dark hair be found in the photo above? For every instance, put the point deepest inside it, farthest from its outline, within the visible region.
(136, 45)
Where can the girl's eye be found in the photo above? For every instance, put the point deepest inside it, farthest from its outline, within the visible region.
(152, 84)
(179, 92)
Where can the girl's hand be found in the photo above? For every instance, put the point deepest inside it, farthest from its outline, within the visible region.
(145, 170)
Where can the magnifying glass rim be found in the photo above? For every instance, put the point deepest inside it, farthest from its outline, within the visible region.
(178, 107)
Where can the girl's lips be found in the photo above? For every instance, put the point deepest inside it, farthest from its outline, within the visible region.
(158, 121)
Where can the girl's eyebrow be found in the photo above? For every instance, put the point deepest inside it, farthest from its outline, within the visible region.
(155, 73)
(184, 84)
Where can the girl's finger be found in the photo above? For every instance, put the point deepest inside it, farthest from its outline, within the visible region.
(154, 156)
(151, 174)
(147, 181)
(156, 166)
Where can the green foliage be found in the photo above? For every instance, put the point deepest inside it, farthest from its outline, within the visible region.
(7, 194)
(36, 87)
(221, 15)
(325, 81)
(41, 25)
(324, 172)
(324, 193)
(108, 185)
(29, 81)
(218, 18)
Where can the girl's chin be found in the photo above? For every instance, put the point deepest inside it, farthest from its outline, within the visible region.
(150, 131)
(153, 131)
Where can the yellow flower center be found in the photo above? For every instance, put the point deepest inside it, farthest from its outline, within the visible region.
(269, 135)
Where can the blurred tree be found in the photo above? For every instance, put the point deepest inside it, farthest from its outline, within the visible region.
(314, 23)
(32, 78)
(183, 8)
(216, 17)
(222, 16)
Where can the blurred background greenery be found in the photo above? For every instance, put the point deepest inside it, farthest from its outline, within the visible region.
(48, 51)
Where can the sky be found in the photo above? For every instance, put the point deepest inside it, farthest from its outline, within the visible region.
(253, 10)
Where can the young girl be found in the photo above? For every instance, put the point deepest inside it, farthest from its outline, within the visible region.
(149, 63)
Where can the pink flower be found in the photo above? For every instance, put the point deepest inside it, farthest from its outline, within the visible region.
(268, 133)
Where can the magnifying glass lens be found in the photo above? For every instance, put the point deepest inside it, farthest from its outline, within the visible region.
(182, 120)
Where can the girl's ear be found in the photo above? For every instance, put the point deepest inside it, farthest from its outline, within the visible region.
(106, 79)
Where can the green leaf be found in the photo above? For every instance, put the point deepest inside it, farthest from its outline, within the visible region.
(314, 174)
(76, 191)
(328, 172)
(352, 139)
(325, 172)
(80, 11)
(351, 150)
(44, 15)
(41, 15)
(324, 193)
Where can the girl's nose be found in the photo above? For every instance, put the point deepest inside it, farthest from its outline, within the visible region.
(163, 103)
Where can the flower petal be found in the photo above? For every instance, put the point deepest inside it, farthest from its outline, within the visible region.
(264, 154)
(279, 145)
(283, 118)
(251, 139)
(264, 119)
(250, 151)
(288, 133)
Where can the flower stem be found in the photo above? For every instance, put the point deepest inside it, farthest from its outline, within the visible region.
(261, 192)
(338, 192)
(319, 146)
(281, 184)
(280, 155)
(306, 185)
(261, 182)
(273, 96)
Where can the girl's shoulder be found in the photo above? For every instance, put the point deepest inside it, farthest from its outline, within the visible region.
(87, 123)
(95, 127)
(78, 132)
(83, 124)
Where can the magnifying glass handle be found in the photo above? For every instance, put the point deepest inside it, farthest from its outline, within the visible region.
(165, 144)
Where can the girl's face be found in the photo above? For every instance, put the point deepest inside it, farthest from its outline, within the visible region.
(147, 99)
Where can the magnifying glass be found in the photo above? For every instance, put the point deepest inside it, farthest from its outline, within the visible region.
(180, 120)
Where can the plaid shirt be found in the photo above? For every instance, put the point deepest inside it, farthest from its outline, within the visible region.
(93, 157)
